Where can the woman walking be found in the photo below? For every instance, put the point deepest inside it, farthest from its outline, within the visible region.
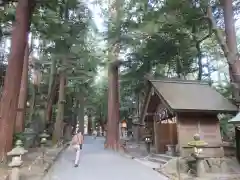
(77, 142)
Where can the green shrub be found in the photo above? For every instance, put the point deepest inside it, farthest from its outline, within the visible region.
(18, 136)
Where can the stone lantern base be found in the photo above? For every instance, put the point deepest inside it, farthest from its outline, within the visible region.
(171, 150)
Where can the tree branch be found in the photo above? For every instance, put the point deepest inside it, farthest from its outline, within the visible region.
(218, 33)
(210, 28)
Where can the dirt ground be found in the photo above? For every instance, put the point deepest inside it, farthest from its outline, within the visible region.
(33, 164)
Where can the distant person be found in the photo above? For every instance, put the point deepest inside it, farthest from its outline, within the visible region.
(94, 134)
(77, 142)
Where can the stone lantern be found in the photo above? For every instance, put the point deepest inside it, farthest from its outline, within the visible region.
(43, 142)
(197, 145)
(44, 137)
(124, 129)
(16, 154)
(30, 136)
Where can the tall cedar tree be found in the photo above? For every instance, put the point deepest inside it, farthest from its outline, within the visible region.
(9, 99)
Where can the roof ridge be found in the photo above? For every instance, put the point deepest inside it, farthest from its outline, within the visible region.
(179, 81)
(198, 96)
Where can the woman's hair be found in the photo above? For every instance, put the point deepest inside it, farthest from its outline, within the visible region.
(78, 131)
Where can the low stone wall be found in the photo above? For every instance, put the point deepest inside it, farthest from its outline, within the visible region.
(215, 168)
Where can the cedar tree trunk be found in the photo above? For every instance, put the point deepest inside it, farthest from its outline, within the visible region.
(89, 124)
(19, 124)
(231, 41)
(81, 112)
(58, 131)
(9, 99)
(112, 140)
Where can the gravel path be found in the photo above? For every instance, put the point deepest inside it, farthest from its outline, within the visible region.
(99, 164)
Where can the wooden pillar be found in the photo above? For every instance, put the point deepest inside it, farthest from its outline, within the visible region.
(155, 126)
(170, 132)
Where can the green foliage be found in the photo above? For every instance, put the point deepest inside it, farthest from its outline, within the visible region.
(18, 136)
(159, 38)
(97, 102)
(65, 31)
(156, 38)
(227, 130)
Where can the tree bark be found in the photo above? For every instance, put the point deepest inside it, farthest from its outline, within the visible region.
(52, 84)
(112, 140)
(102, 125)
(58, 131)
(81, 113)
(75, 112)
(22, 100)
(230, 27)
(32, 103)
(9, 99)
(231, 41)
(229, 46)
(89, 124)
(52, 76)
(50, 98)
(67, 132)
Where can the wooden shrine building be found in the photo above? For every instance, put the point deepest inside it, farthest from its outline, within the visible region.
(175, 110)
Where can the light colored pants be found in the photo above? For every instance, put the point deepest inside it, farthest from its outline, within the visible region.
(77, 155)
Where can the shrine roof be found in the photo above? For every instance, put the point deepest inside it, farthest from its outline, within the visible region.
(192, 96)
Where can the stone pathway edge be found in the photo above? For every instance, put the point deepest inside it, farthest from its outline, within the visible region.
(127, 155)
(50, 164)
